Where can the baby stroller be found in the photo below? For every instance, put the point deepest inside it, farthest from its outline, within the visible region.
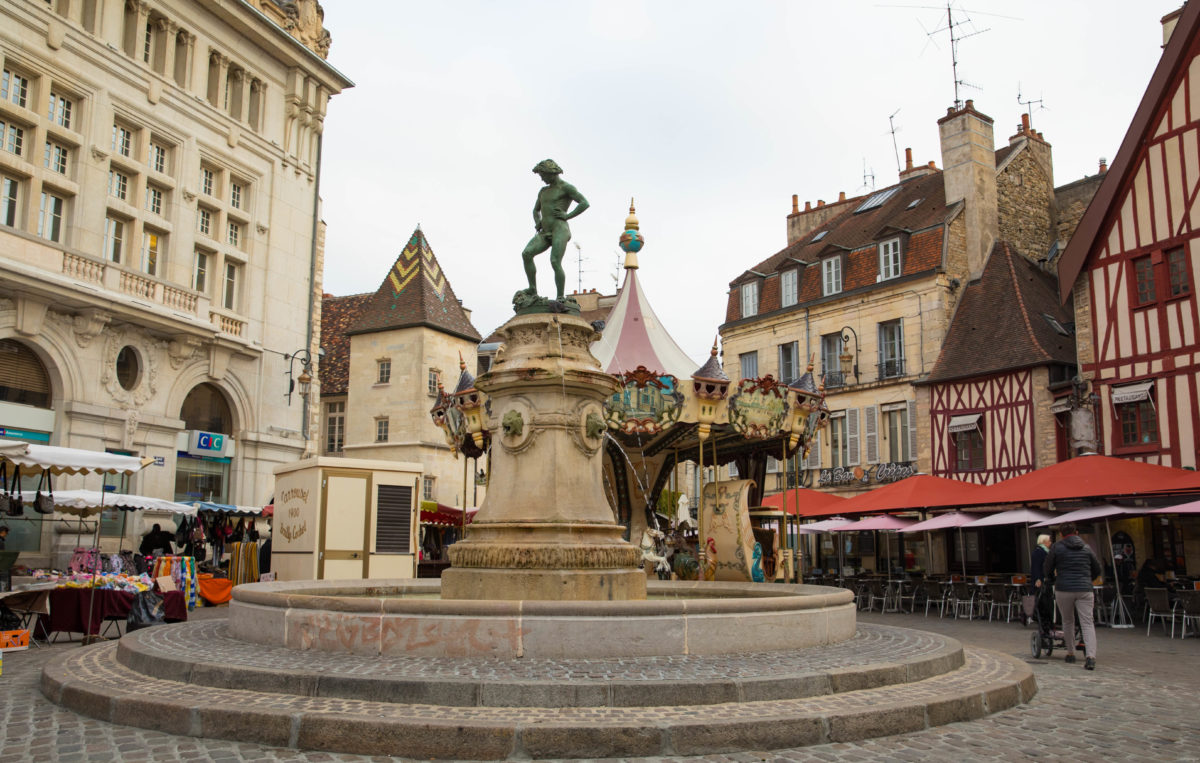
(1047, 637)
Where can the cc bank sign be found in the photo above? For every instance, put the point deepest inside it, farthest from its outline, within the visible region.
(207, 443)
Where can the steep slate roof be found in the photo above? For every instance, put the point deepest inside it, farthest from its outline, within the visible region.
(415, 292)
(1000, 323)
(336, 314)
(858, 234)
(1176, 58)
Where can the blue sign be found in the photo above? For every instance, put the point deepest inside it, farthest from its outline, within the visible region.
(24, 434)
(210, 441)
(160, 460)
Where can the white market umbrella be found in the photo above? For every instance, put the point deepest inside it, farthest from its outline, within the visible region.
(827, 525)
(884, 522)
(84, 503)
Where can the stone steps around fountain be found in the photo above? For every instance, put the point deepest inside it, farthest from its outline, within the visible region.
(204, 653)
(91, 681)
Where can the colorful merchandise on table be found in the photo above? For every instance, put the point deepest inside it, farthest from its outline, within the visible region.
(181, 569)
(107, 581)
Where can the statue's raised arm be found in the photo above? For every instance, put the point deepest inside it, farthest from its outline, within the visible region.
(550, 215)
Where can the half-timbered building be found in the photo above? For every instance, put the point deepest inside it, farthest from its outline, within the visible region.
(1131, 266)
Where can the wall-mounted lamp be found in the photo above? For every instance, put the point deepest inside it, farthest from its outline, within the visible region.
(304, 379)
(845, 358)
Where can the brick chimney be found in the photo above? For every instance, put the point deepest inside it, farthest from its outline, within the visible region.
(909, 172)
(1036, 144)
(969, 175)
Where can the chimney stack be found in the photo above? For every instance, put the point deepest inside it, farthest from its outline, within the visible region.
(907, 159)
(841, 195)
(1103, 165)
(795, 203)
(969, 175)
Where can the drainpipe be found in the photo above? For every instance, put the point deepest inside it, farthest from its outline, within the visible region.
(312, 279)
(807, 345)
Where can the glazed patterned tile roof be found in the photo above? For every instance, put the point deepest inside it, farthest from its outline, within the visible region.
(415, 292)
(337, 313)
(1000, 323)
(916, 209)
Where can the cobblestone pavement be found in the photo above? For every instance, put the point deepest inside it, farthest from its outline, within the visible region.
(1140, 704)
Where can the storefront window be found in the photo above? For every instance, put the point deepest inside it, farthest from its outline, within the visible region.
(201, 479)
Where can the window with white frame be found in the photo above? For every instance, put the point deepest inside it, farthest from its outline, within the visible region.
(56, 157)
(12, 138)
(50, 217)
(383, 371)
(158, 157)
(208, 179)
(749, 299)
(153, 248)
(839, 442)
(891, 349)
(381, 429)
(789, 293)
(895, 427)
(204, 221)
(118, 185)
(14, 88)
(429, 488)
(335, 426)
(889, 259)
(749, 365)
(234, 237)
(114, 239)
(122, 140)
(831, 360)
(60, 110)
(229, 296)
(831, 276)
(154, 200)
(789, 362)
(200, 271)
(8, 201)
(236, 195)
(432, 381)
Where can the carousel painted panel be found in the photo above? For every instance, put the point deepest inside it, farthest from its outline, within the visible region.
(759, 408)
(731, 552)
(647, 403)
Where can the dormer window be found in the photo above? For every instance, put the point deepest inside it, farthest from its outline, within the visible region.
(788, 291)
(831, 276)
(749, 299)
(889, 259)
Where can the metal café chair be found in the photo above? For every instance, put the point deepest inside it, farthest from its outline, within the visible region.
(935, 596)
(877, 592)
(963, 594)
(904, 591)
(1161, 607)
(1190, 612)
(1001, 599)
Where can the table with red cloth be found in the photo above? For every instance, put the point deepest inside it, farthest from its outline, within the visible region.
(69, 608)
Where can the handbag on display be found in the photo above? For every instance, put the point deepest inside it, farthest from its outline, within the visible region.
(16, 506)
(5, 501)
(43, 503)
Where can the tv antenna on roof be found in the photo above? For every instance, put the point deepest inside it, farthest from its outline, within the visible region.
(868, 176)
(892, 130)
(579, 265)
(952, 26)
(1029, 104)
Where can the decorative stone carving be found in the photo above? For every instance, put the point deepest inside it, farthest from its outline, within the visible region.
(513, 424)
(147, 383)
(593, 426)
(88, 324)
(189, 195)
(181, 349)
(99, 154)
(132, 418)
(261, 228)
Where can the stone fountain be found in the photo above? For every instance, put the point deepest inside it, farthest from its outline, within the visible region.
(544, 638)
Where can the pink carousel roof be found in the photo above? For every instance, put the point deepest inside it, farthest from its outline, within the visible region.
(633, 335)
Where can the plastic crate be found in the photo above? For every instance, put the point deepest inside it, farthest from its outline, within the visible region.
(14, 641)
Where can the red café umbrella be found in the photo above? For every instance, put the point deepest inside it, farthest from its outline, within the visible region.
(805, 502)
(1092, 476)
(920, 491)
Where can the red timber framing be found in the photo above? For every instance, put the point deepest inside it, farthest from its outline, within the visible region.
(1147, 208)
(1005, 405)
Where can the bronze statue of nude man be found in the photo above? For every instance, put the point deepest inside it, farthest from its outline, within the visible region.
(550, 217)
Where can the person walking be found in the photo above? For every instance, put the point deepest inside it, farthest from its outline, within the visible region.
(1074, 565)
(1042, 599)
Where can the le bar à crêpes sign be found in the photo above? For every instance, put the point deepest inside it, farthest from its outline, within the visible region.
(879, 473)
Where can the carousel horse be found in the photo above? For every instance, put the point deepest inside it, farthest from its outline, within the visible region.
(756, 568)
(649, 546)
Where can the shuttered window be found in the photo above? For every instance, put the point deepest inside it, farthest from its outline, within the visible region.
(23, 378)
(871, 425)
(852, 437)
(393, 526)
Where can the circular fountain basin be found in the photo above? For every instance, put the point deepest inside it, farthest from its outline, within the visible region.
(408, 617)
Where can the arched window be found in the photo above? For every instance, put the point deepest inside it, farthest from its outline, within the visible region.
(23, 378)
(206, 409)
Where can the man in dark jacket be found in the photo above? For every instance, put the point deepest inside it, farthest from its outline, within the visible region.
(1075, 565)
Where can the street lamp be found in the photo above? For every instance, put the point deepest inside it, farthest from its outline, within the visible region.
(305, 377)
(845, 358)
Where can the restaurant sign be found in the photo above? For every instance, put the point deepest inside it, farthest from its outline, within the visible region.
(892, 471)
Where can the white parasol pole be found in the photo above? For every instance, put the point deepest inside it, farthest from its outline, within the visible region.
(1120, 616)
(95, 569)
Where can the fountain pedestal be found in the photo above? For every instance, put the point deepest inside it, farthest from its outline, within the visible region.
(545, 530)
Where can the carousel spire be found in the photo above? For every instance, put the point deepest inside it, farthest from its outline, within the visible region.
(631, 240)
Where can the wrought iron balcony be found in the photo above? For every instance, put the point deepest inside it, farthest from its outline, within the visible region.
(834, 379)
(891, 369)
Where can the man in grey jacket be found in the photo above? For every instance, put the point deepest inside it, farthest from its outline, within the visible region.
(1074, 565)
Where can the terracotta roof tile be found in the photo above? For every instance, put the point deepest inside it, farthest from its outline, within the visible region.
(1000, 324)
(337, 313)
(415, 292)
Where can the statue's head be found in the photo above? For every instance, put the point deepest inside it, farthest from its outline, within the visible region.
(548, 167)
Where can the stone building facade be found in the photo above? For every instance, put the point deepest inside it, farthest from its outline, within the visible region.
(160, 240)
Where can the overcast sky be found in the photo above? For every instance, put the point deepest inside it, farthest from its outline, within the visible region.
(711, 114)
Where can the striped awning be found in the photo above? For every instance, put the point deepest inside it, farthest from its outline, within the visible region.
(964, 423)
(1132, 393)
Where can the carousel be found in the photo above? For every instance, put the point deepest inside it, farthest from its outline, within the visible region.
(669, 412)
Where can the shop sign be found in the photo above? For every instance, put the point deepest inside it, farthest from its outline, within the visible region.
(207, 443)
(160, 460)
(893, 471)
(24, 434)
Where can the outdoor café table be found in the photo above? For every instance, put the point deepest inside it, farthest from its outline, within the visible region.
(69, 608)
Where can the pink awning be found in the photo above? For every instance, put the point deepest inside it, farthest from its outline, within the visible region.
(943, 521)
(825, 525)
(1011, 517)
(920, 491)
(882, 522)
(1089, 513)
